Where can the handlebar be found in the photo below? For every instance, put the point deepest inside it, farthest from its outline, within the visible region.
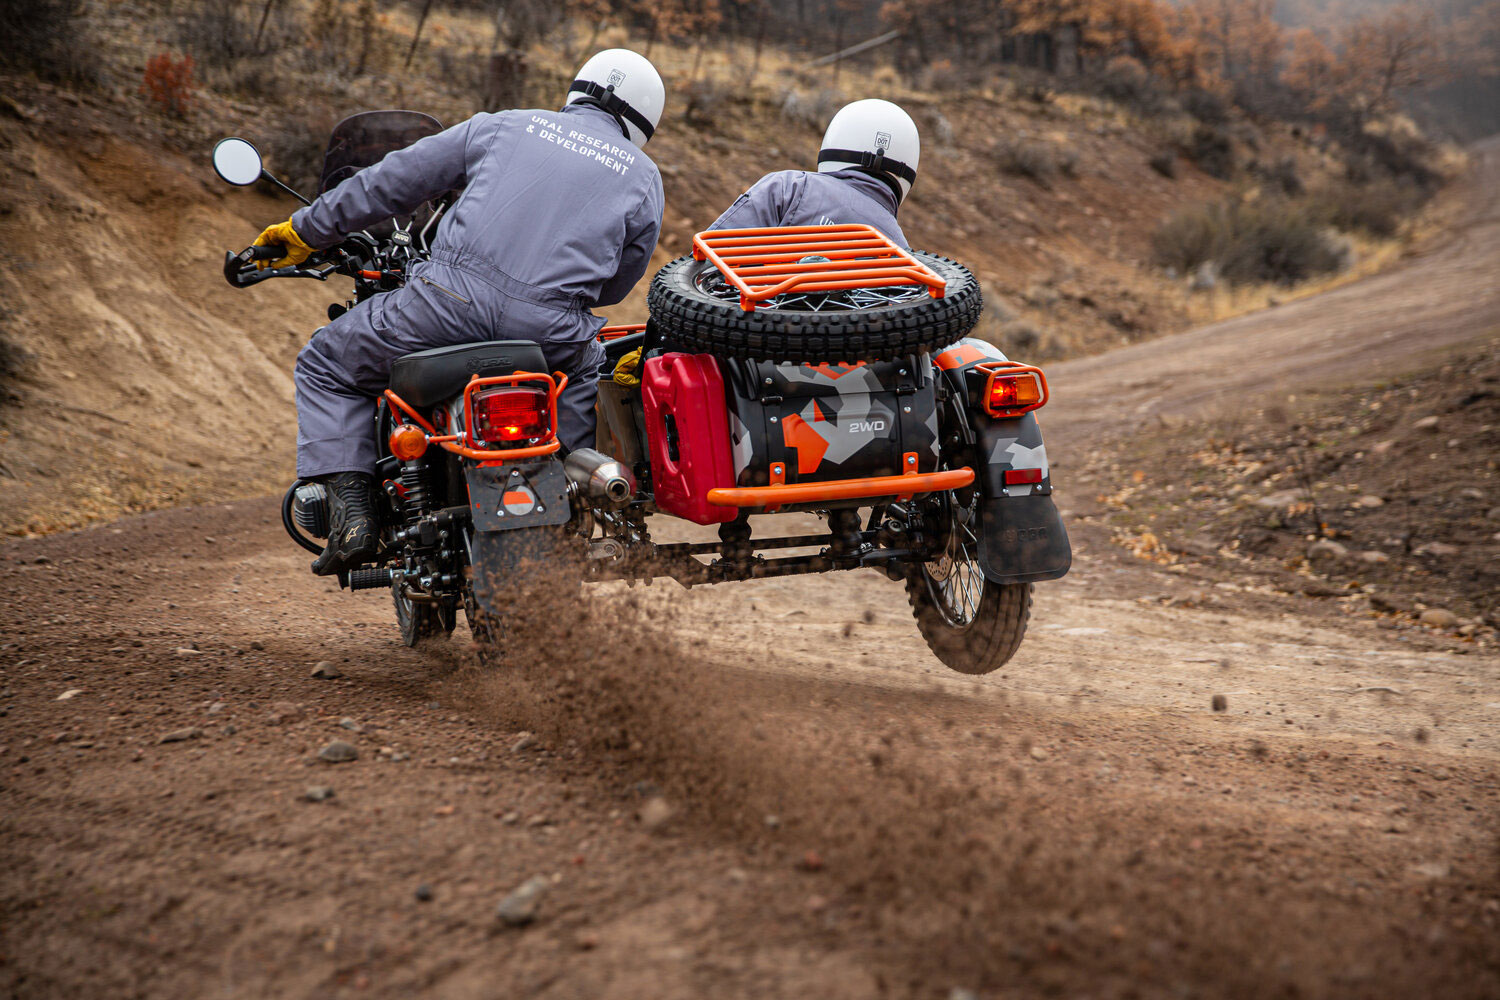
(354, 257)
(241, 272)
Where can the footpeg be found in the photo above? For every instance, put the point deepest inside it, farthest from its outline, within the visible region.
(369, 579)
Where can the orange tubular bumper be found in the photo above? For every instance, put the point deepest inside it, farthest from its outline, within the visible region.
(840, 489)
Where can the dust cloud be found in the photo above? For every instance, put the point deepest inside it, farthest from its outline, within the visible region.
(964, 865)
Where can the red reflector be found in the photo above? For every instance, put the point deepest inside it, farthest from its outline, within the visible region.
(510, 414)
(1018, 477)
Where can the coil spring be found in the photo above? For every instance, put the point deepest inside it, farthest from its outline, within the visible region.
(416, 484)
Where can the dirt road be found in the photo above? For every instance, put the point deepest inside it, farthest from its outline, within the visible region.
(765, 789)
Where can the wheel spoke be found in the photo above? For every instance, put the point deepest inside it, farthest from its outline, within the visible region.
(954, 579)
(712, 283)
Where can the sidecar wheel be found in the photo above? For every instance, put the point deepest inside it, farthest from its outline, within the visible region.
(970, 623)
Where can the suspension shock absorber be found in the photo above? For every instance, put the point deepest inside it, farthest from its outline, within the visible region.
(416, 489)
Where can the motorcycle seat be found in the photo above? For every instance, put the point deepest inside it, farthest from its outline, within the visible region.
(426, 378)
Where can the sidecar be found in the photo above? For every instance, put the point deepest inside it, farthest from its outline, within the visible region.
(825, 369)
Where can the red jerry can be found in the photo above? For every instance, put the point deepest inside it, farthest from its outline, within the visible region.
(687, 425)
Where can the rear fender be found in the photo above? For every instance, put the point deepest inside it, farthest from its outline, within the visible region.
(526, 494)
(1022, 535)
(1022, 538)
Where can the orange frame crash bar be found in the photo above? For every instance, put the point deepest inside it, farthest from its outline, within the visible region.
(840, 489)
(764, 263)
(453, 442)
(608, 333)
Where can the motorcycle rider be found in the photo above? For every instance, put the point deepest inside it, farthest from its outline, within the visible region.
(866, 166)
(559, 212)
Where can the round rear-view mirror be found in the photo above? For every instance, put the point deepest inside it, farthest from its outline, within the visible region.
(237, 161)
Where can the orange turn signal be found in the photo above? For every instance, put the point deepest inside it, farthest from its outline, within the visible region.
(1013, 389)
(408, 442)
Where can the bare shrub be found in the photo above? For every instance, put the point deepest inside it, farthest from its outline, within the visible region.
(254, 78)
(940, 128)
(1377, 208)
(505, 75)
(812, 110)
(1126, 82)
(1036, 159)
(941, 75)
(520, 23)
(1036, 90)
(168, 83)
(706, 99)
(218, 33)
(1213, 150)
(1369, 157)
(1206, 106)
(1067, 160)
(465, 71)
(350, 38)
(1282, 176)
(293, 149)
(1269, 240)
(1024, 341)
(50, 38)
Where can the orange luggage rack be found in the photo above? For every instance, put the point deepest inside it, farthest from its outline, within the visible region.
(763, 263)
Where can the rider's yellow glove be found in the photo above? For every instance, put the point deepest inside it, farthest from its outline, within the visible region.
(282, 234)
(627, 370)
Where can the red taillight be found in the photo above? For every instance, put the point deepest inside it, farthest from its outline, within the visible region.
(1013, 389)
(1018, 477)
(509, 415)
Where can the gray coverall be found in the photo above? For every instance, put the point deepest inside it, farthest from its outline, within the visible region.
(805, 198)
(559, 212)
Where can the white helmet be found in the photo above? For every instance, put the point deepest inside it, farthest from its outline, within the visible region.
(876, 137)
(625, 84)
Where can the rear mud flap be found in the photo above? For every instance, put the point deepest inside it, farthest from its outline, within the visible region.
(1022, 539)
(518, 495)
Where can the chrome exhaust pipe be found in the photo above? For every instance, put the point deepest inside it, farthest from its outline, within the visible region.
(600, 477)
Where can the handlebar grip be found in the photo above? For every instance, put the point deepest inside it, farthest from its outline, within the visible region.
(271, 251)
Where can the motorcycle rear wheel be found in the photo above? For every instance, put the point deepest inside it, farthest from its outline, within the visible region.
(529, 565)
(420, 621)
(972, 624)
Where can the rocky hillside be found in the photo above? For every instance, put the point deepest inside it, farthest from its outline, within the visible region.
(135, 378)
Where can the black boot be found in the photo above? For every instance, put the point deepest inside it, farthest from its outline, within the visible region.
(353, 535)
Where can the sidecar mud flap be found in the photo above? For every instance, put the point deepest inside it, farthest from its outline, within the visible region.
(1022, 539)
(518, 494)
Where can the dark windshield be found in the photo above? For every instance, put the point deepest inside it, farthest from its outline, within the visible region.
(363, 139)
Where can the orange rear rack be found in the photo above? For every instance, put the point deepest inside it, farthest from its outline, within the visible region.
(841, 489)
(763, 263)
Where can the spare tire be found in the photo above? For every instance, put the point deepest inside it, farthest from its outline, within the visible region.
(696, 310)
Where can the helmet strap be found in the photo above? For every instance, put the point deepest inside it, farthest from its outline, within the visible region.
(606, 100)
(876, 164)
